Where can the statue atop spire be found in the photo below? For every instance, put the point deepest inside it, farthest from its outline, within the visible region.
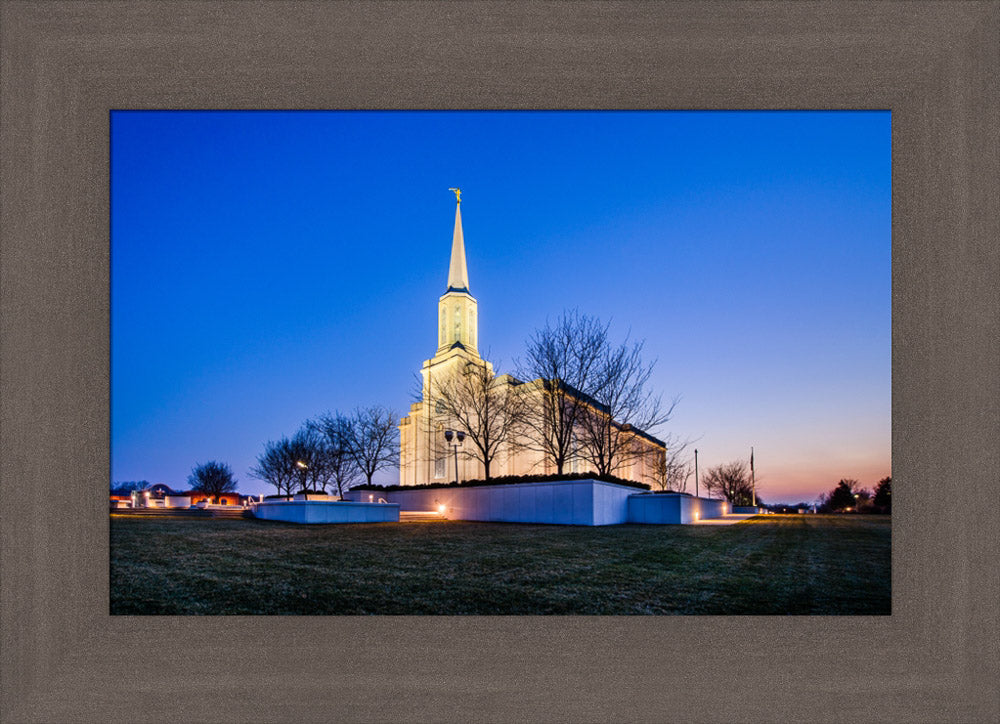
(458, 194)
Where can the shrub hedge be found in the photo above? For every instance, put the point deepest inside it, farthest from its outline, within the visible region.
(509, 480)
(285, 496)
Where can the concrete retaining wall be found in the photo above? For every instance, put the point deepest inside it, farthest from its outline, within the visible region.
(673, 508)
(319, 511)
(563, 502)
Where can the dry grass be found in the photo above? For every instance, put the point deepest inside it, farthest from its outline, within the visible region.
(768, 565)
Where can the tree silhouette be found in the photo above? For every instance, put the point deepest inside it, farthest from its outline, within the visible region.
(883, 495)
(373, 440)
(488, 408)
(671, 470)
(276, 465)
(842, 496)
(621, 403)
(338, 461)
(731, 481)
(212, 478)
(563, 361)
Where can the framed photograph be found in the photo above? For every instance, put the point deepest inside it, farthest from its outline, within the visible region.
(623, 327)
(68, 67)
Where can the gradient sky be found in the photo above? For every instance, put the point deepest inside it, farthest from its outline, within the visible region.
(271, 266)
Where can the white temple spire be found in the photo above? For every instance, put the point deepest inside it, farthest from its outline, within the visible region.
(458, 274)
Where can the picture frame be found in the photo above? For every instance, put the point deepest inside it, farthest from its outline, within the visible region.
(64, 658)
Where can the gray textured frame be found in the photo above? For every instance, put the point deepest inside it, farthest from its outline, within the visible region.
(65, 65)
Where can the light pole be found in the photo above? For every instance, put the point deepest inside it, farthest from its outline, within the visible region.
(857, 503)
(459, 436)
(302, 482)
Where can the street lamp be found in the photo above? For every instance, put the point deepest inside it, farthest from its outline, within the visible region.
(857, 504)
(459, 437)
(303, 467)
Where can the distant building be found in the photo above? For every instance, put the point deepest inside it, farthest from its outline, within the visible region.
(161, 495)
(424, 453)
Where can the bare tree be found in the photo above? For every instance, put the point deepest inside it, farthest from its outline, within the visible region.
(212, 478)
(487, 407)
(276, 465)
(339, 462)
(731, 481)
(310, 457)
(563, 361)
(621, 403)
(373, 440)
(671, 469)
(300, 463)
(128, 487)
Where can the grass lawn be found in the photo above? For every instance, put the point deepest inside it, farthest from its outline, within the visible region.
(779, 564)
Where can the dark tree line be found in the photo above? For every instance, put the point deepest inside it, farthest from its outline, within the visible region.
(124, 488)
(850, 497)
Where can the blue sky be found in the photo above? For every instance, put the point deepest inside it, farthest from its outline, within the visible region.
(271, 266)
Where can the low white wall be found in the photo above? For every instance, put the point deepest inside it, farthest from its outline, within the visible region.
(177, 501)
(673, 508)
(562, 502)
(322, 511)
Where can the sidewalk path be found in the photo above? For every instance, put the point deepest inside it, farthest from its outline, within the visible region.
(728, 519)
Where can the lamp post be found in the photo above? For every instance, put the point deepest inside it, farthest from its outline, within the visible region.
(857, 503)
(302, 482)
(459, 437)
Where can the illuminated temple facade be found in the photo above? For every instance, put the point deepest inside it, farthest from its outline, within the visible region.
(425, 456)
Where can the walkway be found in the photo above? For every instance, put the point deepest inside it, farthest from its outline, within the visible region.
(420, 516)
(728, 519)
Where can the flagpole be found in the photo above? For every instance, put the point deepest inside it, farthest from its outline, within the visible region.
(753, 480)
(696, 472)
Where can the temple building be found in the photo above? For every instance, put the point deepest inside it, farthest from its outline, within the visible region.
(425, 454)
